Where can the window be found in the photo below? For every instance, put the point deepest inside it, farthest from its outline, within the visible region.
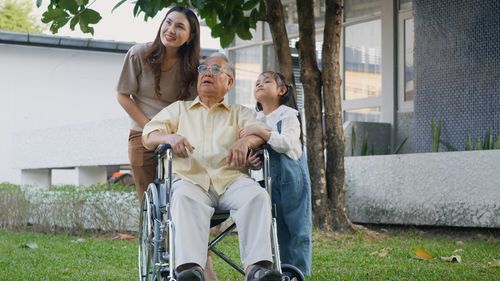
(362, 58)
(247, 64)
(362, 8)
(406, 87)
(368, 114)
(408, 60)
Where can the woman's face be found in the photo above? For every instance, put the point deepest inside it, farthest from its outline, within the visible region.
(175, 30)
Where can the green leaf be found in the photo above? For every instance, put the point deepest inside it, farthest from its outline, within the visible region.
(217, 30)
(90, 16)
(364, 145)
(243, 32)
(250, 5)
(198, 4)
(226, 38)
(400, 146)
(211, 18)
(468, 144)
(73, 22)
(69, 5)
(82, 2)
(353, 140)
(54, 14)
(118, 5)
(497, 142)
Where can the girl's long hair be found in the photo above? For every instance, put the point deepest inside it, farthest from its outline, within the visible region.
(289, 98)
(189, 55)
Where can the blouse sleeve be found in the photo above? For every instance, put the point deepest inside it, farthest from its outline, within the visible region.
(288, 138)
(127, 83)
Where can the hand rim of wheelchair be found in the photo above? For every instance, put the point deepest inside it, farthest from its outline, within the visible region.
(289, 271)
(147, 247)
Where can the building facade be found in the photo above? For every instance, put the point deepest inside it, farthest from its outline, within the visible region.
(403, 63)
(61, 121)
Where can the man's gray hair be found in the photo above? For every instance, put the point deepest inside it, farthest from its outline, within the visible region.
(224, 57)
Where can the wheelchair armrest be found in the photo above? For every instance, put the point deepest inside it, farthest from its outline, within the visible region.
(161, 149)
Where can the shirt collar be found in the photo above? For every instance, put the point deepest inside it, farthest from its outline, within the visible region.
(197, 102)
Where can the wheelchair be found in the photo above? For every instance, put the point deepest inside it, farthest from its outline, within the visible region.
(156, 230)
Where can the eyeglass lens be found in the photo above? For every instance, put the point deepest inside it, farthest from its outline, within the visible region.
(214, 69)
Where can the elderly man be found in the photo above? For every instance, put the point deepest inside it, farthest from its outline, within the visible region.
(209, 172)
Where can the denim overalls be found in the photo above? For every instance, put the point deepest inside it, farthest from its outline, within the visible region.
(291, 192)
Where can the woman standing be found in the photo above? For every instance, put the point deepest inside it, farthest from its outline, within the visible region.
(154, 75)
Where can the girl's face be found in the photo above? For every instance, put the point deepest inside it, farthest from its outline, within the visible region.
(267, 90)
(175, 30)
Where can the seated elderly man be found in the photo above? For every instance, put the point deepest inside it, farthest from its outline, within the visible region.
(209, 172)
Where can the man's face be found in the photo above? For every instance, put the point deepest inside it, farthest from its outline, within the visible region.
(214, 79)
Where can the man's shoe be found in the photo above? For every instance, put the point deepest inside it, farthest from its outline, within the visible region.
(194, 273)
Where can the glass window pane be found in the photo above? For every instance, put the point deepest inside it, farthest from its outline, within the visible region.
(408, 74)
(247, 64)
(270, 60)
(362, 8)
(291, 17)
(362, 56)
(369, 114)
(405, 4)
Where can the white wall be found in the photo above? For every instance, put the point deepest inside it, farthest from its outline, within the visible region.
(43, 87)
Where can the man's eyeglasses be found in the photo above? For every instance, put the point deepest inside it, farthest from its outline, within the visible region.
(214, 69)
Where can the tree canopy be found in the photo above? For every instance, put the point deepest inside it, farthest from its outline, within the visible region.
(226, 19)
(16, 15)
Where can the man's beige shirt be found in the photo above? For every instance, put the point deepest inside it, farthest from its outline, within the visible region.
(212, 131)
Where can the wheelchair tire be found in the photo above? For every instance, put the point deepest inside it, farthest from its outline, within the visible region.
(148, 246)
(291, 273)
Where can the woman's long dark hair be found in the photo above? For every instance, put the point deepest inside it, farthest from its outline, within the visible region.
(189, 54)
(289, 98)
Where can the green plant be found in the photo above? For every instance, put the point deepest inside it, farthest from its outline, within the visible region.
(400, 146)
(364, 145)
(353, 140)
(468, 144)
(435, 134)
(490, 142)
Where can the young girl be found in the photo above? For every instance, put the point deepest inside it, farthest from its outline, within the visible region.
(291, 186)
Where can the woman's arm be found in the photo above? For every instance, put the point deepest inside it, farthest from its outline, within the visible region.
(132, 109)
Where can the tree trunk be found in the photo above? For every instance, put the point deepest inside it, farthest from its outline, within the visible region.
(276, 21)
(333, 116)
(311, 81)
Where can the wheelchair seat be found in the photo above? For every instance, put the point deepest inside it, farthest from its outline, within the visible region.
(219, 217)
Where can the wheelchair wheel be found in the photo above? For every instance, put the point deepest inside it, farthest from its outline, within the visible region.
(148, 228)
(291, 273)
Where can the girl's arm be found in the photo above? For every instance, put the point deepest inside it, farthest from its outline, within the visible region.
(256, 130)
(289, 138)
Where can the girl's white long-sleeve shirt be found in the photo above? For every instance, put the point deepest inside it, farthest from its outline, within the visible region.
(288, 141)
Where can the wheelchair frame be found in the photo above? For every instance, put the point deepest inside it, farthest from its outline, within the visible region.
(156, 229)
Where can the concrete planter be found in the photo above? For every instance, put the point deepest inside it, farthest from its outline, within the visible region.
(441, 189)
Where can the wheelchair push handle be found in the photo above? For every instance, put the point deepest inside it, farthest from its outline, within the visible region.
(162, 148)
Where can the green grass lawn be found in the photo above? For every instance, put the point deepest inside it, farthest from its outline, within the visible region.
(357, 256)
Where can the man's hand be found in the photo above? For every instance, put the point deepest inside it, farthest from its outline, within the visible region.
(238, 153)
(180, 145)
